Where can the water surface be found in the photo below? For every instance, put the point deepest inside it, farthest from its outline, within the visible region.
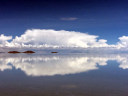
(63, 74)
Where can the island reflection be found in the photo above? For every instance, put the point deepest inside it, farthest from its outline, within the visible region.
(50, 65)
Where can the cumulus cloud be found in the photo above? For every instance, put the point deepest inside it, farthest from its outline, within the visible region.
(61, 38)
(40, 38)
(4, 39)
(69, 18)
(123, 43)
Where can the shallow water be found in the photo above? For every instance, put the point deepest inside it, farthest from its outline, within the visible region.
(64, 75)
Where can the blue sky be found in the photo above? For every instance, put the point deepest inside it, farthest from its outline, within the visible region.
(105, 18)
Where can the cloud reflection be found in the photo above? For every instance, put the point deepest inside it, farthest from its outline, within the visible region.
(50, 65)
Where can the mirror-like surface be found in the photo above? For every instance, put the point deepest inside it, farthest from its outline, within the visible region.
(63, 75)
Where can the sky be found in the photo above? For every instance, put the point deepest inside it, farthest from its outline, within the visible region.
(107, 19)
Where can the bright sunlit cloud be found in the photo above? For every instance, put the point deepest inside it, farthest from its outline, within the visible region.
(61, 38)
(4, 39)
(38, 38)
(123, 42)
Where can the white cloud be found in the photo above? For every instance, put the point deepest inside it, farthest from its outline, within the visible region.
(69, 18)
(61, 38)
(123, 43)
(4, 39)
(40, 38)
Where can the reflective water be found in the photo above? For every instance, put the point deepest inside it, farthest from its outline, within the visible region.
(63, 75)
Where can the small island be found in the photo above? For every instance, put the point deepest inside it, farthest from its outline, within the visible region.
(14, 52)
(28, 52)
(21, 52)
(54, 52)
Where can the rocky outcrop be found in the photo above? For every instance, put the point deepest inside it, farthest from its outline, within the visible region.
(54, 52)
(14, 52)
(28, 52)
